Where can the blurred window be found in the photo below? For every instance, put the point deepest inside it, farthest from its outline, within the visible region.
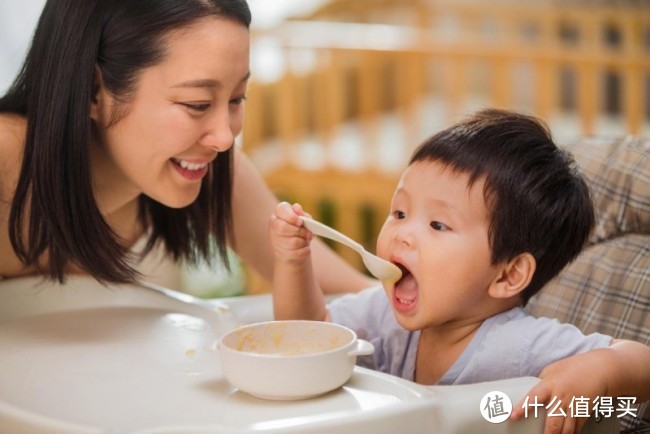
(529, 32)
(612, 85)
(568, 89)
(569, 33)
(647, 96)
(612, 37)
(489, 30)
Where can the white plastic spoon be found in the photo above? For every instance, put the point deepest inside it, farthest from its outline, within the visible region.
(378, 267)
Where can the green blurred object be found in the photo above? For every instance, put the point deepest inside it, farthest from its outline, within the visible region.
(214, 281)
(327, 215)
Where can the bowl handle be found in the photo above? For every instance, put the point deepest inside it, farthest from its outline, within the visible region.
(212, 347)
(362, 348)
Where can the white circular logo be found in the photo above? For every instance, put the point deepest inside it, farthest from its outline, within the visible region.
(496, 407)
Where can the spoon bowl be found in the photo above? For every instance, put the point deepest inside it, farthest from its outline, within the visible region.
(378, 267)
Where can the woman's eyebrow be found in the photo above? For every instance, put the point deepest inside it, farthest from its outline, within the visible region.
(201, 82)
(207, 82)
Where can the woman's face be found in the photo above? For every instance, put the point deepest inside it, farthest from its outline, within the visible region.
(186, 110)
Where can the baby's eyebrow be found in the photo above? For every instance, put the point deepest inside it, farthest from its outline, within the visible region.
(444, 204)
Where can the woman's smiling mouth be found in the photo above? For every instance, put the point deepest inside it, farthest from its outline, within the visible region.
(190, 170)
(189, 165)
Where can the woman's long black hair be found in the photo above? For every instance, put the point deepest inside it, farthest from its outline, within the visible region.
(54, 208)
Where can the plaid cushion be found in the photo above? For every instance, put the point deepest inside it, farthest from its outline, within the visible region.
(618, 172)
(607, 288)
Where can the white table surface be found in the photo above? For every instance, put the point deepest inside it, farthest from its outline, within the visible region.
(83, 357)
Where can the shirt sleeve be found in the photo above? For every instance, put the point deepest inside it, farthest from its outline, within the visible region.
(515, 344)
(361, 312)
(369, 315)
(548, 340)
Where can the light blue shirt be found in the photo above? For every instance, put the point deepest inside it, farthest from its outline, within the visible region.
(508, 345)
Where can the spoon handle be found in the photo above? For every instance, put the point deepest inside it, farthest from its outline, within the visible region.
(325, 231)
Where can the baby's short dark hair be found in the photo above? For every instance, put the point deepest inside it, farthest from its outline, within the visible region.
(537, 199)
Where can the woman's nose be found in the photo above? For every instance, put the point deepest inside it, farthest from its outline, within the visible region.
(219, 135)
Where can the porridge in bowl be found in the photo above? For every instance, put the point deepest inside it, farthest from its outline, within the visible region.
(287, 360)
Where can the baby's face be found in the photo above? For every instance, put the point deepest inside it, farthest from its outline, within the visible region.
(437, 232)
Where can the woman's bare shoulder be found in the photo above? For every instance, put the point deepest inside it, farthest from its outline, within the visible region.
(12, 124)
(12, 137)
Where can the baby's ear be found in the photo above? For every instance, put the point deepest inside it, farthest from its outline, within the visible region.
(514, 277)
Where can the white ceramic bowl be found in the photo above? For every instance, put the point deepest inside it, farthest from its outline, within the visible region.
(286, 360)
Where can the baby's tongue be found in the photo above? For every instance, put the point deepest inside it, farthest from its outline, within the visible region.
(407, 288)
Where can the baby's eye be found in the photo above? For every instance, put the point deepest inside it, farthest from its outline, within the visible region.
(439, 226)
(399, 215)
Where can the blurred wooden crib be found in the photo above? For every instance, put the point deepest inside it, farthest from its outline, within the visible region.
(340, 98)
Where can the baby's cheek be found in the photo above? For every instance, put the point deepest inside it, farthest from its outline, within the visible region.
(383, 244)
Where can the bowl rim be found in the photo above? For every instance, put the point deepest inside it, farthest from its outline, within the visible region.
(222, 346)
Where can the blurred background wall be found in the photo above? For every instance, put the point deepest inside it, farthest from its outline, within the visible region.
(342, 91)
(17, 21)
(347, 91)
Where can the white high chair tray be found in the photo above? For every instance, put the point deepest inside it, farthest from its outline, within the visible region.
(130, 359)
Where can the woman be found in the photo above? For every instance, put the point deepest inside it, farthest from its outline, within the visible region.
(121, 126)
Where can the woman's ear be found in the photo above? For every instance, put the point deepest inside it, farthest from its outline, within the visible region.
(99, 101)
(514, 276)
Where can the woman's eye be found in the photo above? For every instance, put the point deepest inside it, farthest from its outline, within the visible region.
(238, 101)
(399, 214)
(199, 107)
(439, 226)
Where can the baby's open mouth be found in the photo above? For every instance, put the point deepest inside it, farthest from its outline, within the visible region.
(405, 290)
(405, 272)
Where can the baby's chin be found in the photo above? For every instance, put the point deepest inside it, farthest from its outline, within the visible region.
(407, 323)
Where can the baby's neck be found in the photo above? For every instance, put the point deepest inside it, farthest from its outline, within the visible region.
(439, 348)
